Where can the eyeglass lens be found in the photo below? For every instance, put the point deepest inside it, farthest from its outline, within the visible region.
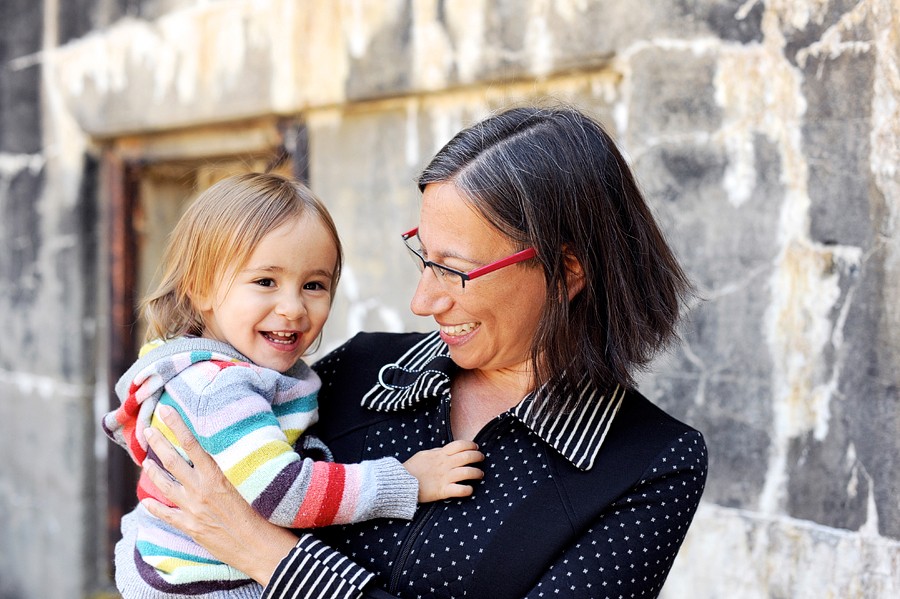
(450, 280)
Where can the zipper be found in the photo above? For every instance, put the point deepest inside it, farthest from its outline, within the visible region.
(406, 549)
(426, 515)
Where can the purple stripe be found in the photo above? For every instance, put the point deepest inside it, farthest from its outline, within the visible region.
(271, 497)
(151, 576)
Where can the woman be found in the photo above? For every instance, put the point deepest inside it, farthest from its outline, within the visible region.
(551, 286)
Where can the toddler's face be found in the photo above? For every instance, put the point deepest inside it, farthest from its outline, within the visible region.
(274, 307)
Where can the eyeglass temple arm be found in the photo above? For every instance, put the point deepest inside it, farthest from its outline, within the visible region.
(517, 257)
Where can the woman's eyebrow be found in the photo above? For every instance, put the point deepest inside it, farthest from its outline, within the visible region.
(448, 254)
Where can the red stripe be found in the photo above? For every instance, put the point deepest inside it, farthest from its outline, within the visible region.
(314, 497)
(146, 488)
(127, 414)
(323, 496)
(333, 496)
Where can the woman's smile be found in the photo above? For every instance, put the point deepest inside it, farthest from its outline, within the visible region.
(459, 329)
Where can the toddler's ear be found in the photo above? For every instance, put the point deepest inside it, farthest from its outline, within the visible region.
(202, 301)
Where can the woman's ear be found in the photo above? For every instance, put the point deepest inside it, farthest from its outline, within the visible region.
(574, 275)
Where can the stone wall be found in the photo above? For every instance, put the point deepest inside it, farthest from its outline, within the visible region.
(766, 134)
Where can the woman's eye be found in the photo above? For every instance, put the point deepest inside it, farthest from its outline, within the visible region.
(445, 273)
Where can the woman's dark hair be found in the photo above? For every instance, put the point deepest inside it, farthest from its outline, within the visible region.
(553, 179)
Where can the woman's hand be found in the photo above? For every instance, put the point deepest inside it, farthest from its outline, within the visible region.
(212, 511)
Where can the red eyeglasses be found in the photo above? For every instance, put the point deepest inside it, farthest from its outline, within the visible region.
(454, 280)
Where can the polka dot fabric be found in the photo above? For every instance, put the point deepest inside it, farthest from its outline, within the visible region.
(623, 546)
(628, 552)
(446, 538)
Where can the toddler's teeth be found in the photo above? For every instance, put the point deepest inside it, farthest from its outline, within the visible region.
(280, 337)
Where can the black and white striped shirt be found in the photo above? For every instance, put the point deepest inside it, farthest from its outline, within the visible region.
(426, 371)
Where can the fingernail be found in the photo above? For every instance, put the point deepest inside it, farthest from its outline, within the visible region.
(165, 411)
(149, 432)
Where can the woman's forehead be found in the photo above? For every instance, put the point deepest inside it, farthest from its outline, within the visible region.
(449, 223)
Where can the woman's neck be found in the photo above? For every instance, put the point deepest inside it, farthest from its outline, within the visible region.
(477, 397)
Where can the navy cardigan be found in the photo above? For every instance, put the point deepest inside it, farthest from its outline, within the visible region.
(593, 503)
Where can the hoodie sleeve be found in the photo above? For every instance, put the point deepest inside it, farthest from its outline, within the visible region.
(236, 423)
(140, 390)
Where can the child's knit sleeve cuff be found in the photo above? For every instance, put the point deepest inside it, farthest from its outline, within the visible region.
(394, 492)
(315, 570)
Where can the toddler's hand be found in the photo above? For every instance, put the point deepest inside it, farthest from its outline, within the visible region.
(439, 470)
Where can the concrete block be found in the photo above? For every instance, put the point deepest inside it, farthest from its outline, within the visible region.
(720, 379)
(23, 237)
(844, 199)
(860, 446)
(44, 446)
(672, 94)
(746, 555)
(21, 24)
(222, 62)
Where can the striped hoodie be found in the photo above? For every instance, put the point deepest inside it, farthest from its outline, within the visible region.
(248, 418)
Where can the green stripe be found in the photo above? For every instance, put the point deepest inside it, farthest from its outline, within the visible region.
(147, 548)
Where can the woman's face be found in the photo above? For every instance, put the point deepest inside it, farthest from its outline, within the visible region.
(492, 325)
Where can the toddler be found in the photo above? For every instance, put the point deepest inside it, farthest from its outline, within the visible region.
(249, 276)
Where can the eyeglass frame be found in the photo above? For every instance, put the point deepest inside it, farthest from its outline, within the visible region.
(526, 254)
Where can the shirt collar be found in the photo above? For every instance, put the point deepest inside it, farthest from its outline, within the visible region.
(425, 371)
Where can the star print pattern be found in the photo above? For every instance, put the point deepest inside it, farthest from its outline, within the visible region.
(625, 551)
(628, 552)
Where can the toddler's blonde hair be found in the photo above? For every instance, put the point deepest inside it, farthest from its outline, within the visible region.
(219, 232)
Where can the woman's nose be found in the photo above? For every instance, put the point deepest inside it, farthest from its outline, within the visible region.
(430, 297)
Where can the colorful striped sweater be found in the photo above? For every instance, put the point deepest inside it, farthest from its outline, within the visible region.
(248, 418)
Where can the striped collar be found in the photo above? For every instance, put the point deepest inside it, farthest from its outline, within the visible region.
(425, 371)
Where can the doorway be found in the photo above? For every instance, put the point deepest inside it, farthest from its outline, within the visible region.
(149, 181)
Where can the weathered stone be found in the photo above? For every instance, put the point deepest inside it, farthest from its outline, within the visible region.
(77, 270)
(385, 67)
(764, 134)
(731, 23)
(779, 557)
(45, 460)
(673, 94)
(22, 237)
(867, 402)
(839, 91)
(21, 22)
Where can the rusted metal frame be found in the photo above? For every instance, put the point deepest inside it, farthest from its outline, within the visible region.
(122, 190)
(294, 147)
(122, 181)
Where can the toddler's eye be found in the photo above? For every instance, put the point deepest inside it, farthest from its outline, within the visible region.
(315, 286)
(265, 282)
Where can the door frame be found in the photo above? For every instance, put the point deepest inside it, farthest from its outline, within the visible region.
(123, 161)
